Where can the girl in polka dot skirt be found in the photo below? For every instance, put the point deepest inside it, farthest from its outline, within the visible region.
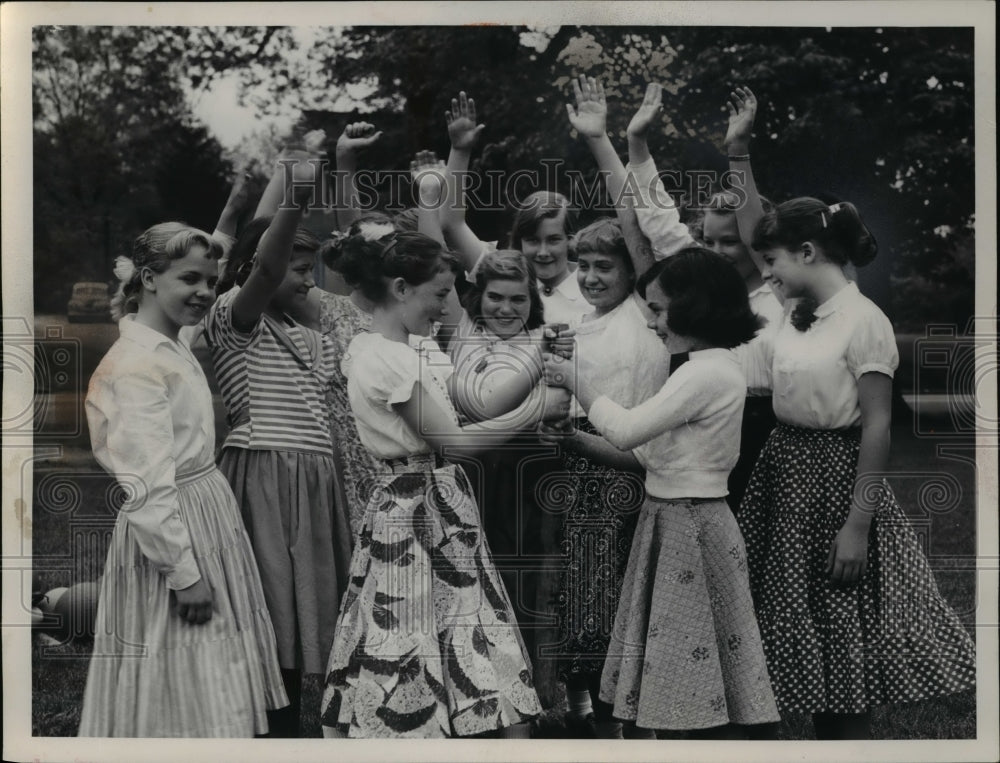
(848, 608)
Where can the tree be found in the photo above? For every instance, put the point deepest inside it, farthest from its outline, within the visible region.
(115, 146)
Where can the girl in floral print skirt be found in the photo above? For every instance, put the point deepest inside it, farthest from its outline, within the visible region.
(685, 651)
(426, 643)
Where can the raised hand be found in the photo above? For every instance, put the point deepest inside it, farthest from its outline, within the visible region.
(357, 135)
(742, 105)
(591, 113)
(461, 120)
(427, 173)
(239, 194)
(314, 140)
(649, 109)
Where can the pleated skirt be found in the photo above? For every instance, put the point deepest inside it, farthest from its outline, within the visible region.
(890, 638)
(427, 644)
(155, 675)
(295, 514)
(686, 652)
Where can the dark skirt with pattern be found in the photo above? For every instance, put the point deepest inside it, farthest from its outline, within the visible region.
(426, 644)
(602, 506)
(892, 637)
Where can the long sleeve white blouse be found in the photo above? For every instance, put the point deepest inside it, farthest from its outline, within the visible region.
(149, 408)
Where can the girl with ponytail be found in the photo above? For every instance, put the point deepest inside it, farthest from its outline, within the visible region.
(848, 608)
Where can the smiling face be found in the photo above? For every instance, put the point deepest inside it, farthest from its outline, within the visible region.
(605, 280)
(426, 302)
(505, 306)
(294, 289)
(182, 294)
(659, 305)
(721, 234)
(784, 270)
(548, 249)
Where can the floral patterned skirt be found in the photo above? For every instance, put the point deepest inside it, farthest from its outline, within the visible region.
(891, 637)
(686, 652)
(426, 644)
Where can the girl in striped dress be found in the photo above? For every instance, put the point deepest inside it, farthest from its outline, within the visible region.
(183, 643)
(274, 374)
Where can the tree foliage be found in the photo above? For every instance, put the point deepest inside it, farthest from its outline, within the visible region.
(880, 117)
(116, 148)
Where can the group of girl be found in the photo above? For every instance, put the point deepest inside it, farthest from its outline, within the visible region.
(397, 459)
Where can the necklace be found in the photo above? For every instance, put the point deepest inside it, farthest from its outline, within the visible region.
(547, 290)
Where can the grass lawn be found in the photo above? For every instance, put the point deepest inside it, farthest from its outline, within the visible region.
(73, 516)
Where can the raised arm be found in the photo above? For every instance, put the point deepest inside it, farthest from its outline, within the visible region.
(274, 193)
(742, 105)
(464, 133)
(356, 137)
(589, 119)
(655, 209)
(239, 195)
(275, 248)
(427, 173)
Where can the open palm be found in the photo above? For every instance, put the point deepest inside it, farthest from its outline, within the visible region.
(591, 113)
(651, 106)
(742, 111)
(461, 118)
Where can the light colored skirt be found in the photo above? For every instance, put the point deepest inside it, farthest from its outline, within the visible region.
(155, 675)
(427, 644)
(685, 652)
(295, 514)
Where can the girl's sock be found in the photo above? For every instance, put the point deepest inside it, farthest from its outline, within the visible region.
(579, 703)
(609, 730)
(517, 731)
(631, 731)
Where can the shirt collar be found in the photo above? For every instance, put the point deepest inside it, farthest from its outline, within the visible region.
(760, 290)
(566, 287)
(714, 352)
(142, 335)
(838, 300)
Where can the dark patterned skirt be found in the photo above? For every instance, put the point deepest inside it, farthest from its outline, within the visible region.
(603, 506)
(426, 644)
(890, 638)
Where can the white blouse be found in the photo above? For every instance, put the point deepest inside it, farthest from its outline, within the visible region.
(765, 304)
(620, 356)
(687, 435)
(149, 408)
(657, 213)
(815, 372)
(566, 303)
(381, 373)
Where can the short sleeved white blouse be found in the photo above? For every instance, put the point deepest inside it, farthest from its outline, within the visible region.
(381, 373)
(815, 372)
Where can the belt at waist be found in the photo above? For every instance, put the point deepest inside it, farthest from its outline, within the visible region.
(423, 462)
(188, 477)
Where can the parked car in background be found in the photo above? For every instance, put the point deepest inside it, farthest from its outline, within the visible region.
(89, 303)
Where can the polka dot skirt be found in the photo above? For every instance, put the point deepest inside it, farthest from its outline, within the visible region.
(891, 638)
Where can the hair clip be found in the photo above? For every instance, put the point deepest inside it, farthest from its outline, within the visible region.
(835, 208)
(124, 268)
(822, 216)
(389, 247)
